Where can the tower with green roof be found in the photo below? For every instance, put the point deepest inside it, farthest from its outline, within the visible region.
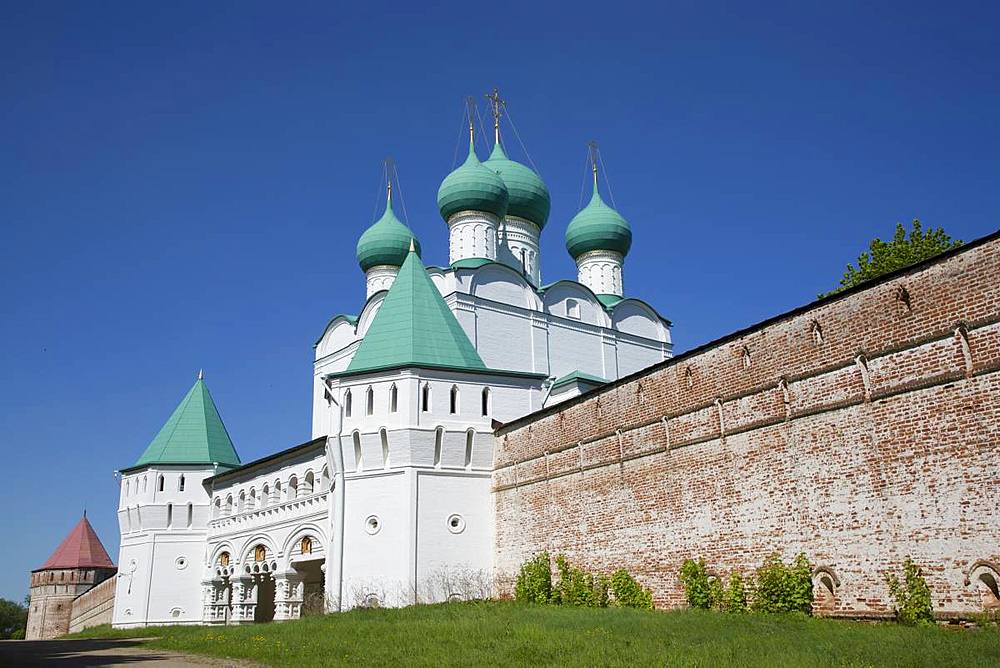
(164, 513)
(599, 238)
(528, 204)
(383, 247)
(473, 201)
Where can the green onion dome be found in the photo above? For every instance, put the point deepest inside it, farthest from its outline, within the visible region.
(528, 197)
(472, 187)
(387, 241)
(598, 227)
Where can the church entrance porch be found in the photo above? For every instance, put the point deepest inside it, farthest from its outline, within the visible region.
(313, 586)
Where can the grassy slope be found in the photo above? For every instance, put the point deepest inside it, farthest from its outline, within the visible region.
(509, 634)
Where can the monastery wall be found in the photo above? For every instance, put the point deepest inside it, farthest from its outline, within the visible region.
(94, 607)
(860, 429)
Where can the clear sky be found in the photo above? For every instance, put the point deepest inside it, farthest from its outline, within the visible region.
(182, 185)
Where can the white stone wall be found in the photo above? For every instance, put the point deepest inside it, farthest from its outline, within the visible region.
(472, 234)
(163, 537)
(601, 271)
(379, 277)
(522, 239)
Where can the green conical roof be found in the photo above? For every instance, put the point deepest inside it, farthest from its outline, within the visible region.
(414, 327)
(194, 434)
(598, 227)
(528, 197)
(387, 241)
(472, 187)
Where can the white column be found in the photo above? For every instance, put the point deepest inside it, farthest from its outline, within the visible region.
(379, 277)
(472, 234)
(601, 271)
(522, 239)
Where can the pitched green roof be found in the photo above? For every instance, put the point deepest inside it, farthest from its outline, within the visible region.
(414, 327)
(194, 434)
(578, 376)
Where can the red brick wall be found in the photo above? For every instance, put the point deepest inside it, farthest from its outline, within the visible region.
(878, 442)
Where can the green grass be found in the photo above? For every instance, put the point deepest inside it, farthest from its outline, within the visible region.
(500, 633)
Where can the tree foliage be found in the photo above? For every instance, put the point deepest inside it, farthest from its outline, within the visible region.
(629, 593)
(13, 619)
(901, 251)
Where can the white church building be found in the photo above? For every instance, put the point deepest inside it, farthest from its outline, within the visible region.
(389, 503)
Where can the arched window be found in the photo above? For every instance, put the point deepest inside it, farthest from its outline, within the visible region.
(468, 448)
(309, 484)
(229, 505)
(277, 491)
(218, 508)
(170, 515)
(224, 559)
(453, 400)
(486, 401)
(252, 500)
(293, 488)
(144, 484)
(242, 503)
(438, 443)
(180, 483)
(306, 545)
(358, 464)
(324, 480)
(259, 553)
(817, 332)
(425, 398)
(190, 515)
(746, 358)
(369, 401)
(160, 483)
(384, 437)
(265, 493)
(126, 487)
(347, 404)
(393, 399)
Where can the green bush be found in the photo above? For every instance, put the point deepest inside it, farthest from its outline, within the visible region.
(782, 588)
(734, 597)
(534, 581)
(577, 586)
(697, 587)
(628, 592)
(912, 597)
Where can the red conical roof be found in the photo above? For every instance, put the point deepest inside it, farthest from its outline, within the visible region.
(80, 549)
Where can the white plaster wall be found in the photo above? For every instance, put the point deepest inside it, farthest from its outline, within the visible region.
(159, 560)
(451, 562)
(472, 234)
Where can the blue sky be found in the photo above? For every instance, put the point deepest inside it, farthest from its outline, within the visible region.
(182, 186)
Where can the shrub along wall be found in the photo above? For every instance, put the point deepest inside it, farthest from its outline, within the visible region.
(860, 429)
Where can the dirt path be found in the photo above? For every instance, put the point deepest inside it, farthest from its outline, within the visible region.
(88, 653)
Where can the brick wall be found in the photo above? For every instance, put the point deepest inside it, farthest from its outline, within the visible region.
(859, 429)
(95, 607)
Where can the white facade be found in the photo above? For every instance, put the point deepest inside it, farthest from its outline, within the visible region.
(389, 504)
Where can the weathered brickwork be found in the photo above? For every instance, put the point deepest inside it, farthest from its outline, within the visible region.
(860, 430)
(95, 607)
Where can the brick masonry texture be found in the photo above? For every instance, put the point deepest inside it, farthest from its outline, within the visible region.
(860, 429)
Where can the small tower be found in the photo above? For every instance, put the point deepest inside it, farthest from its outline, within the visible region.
(163, 515)
(599, 238)
(79, 564)
(383, 247)
(528, 205)
(473, 201)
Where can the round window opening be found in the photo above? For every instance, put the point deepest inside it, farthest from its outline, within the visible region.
(456, 524)
(373, 524)
(181, 563)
